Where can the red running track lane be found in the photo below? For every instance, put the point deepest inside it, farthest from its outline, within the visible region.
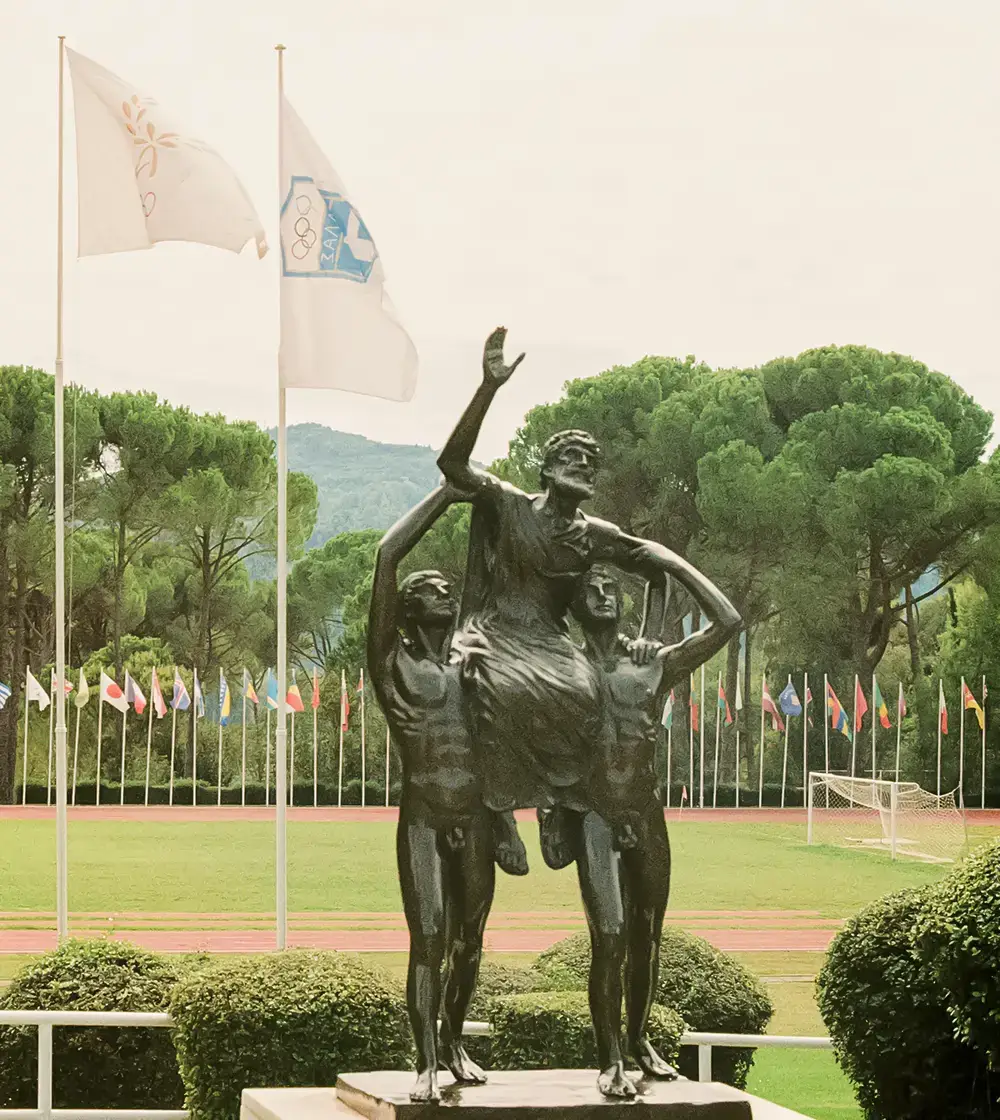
(372, 814)
(396, 941)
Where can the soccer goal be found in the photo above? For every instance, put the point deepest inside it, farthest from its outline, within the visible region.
(898, 818)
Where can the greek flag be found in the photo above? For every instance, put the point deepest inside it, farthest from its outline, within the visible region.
(4, 695)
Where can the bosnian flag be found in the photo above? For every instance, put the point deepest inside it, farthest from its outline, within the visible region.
(112, 694)
(156, 694)
(133, 694)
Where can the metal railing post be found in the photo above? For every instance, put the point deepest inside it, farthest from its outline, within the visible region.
(45, 1070)
(704, 1063)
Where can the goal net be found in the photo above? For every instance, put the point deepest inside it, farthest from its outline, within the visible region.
(898, 818)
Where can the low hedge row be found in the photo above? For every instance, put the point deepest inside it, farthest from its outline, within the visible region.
(135, 793)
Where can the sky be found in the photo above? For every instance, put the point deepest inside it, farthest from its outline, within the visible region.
(734, 179)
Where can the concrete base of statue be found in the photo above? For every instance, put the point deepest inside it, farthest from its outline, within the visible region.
(510, 1095)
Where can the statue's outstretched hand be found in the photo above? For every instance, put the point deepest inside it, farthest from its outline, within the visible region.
(494, 370)
(642, 650)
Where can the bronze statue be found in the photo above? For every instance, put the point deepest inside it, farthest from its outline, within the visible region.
(445, 843)
(621, 848)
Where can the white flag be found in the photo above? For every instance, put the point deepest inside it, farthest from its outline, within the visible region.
(739, 690)
(112, 694)
(339, 329)
(142, 179)
(34, 691)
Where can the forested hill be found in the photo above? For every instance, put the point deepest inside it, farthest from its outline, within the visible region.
(362, 484)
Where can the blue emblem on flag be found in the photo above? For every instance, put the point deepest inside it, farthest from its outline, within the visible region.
(789, 701)
(323, 235)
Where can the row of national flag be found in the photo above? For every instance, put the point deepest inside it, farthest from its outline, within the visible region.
(789, 704)
(131, 695)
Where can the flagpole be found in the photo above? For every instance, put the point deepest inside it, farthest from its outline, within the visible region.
(315, 745)
(387, 764)
(874, 721)
(76, 753)
(24, 764)
(940, 705)
(267, 761)
(243, 764)
(218, 771)
(899, 726)
(149, 737)
(340, 767)
(100, 728)
(670, 760)
(701, 748)
(983, 794)
(854, 729)
(737, 762)
(173, 747)
(194, 740)
(826, 723)
(760, 787)
(280, 737)
(62, 905)
(718, 733)
(805, 739)
(52, 716)
(691, 710)
(291, 770)
(784, 761)
(364, 774)
(961, 749)
(121, 799)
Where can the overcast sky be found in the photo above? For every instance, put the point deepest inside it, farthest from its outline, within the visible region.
(737, 179)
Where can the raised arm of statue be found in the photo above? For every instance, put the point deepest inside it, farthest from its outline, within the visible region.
(383, 614)
(454, 459)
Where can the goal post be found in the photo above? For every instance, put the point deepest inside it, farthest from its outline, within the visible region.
(897, 818)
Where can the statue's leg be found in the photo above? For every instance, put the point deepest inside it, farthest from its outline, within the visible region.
(647, 884)
(597, 865)
(421, 881)
(469, 877)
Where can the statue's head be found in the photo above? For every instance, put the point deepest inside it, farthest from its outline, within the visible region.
(569, 464)
(597, 602)
(426, 600)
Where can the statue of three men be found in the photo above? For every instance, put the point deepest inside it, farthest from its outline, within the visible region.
(494, 707)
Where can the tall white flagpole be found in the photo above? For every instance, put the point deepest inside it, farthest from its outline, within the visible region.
(874, 721)
(670, 759)
(340, 765)
(940, 707)
(267, 761)
(760, 786)
(173, 748)
(737, 760)
(691, 709)
(784, 761)
(364, 774)
(100, 730)
(24, 761)
(961, 748)
(76, 752)
(194, 740)
(805, 739)
(826, 722)
(62, 904)
(280, 737)
(899, 726)
(243, 764)
(983, 794)
(124, 728)
(149, 739)
(218, 771)
(701, 748)
(291, 770)
(718, 739)
(387, 766)
(52, 718)
(315, 745)
(854, 728)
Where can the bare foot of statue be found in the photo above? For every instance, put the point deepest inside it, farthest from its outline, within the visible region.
(426, 1086)
(552, 836)
(508, 848)
(651, 1064)
(613, 1082)
(454, 1056)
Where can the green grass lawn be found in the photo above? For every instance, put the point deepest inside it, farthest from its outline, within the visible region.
(199, 866)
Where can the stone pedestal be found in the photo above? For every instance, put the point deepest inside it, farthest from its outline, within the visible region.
(522, 1095)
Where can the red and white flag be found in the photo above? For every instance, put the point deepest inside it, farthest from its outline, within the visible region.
(860, 705)
(112, 694)
(156, 695)
(345, 703)
(942, 708)
(315, 695)
(133, 694)
(768, 705)
(684, 795)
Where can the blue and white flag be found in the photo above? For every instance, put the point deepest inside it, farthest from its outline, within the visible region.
(4, 694)
(789, 700)
(199, 699)
(181, 700)
(339, 329)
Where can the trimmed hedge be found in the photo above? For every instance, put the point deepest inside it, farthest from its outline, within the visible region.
(552, 1030)
(708, 989)
(889, 1021)
(288, 1019)
(94, 1067)
(208, 793)
(959, 939)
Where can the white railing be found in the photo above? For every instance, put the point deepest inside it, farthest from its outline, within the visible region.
(46, 1020)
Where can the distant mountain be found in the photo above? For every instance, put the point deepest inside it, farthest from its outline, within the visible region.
(362, 484)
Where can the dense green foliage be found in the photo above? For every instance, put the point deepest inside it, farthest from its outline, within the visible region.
(552, 1030)
(288, 1019)
(94, 1067)
(710, 990)
(888, 1016)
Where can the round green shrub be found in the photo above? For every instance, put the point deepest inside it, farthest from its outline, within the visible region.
(888, 1017)
(94, 1067)
(709, 990)
(495, 979)
(959, 938)
(285, 1019)
(552, 1030)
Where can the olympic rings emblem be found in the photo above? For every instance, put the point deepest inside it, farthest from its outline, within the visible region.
(304, 232)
